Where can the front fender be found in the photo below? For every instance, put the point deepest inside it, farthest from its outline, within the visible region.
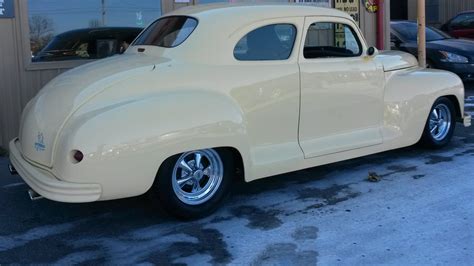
(409, 97)
(125, 142)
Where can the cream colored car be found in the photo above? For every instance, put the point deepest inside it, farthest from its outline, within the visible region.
(207, 90)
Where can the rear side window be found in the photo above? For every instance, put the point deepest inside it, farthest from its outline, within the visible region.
(271, 42)
(167, 32)
(463, 21)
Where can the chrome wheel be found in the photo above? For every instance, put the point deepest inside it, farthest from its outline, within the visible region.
(197, 176)
(440, 122)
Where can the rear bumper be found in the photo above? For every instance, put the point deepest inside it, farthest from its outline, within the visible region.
(47, 185)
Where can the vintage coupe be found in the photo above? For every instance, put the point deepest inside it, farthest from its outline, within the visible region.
(206, 90)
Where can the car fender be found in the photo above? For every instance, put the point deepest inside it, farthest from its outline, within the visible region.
(409, 97)
(125, 142)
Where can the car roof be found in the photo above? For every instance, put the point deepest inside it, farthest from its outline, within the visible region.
(466, 12)
(242, 11)
(402, 21)
(221, 26)
(88, 31)
(412, 22)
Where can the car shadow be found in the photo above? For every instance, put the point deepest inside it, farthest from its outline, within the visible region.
(20, 214)
(136, 225)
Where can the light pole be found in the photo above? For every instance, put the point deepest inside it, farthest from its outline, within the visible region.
(421, 33)
(103, 13)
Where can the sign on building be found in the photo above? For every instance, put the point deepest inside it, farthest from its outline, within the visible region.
(352, 7)
(6, 9)
(320, 3)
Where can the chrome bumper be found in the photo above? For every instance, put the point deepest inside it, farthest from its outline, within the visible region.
(467, 120)
(47, 185)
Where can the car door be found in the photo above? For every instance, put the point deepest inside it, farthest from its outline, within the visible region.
(341, 89)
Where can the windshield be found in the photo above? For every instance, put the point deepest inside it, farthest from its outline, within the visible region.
(409, 32)
(167, 32)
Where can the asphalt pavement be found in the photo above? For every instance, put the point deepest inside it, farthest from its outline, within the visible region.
(421, 212)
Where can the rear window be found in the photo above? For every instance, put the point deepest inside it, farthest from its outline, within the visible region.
(167, 32)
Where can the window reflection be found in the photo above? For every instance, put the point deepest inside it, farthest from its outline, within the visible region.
(86, 29)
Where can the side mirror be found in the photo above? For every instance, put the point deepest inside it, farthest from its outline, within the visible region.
(372, 51)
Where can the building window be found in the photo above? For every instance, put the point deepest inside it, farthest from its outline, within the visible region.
(432, 11)
(86, 29)
(238, 1)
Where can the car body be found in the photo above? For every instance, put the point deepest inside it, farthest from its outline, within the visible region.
(442, 51)
(238, 88)
(90, 43)
(461, 26)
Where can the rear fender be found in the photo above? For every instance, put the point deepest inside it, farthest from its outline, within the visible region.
(125, 142)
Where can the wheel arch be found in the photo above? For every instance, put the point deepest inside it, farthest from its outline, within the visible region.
(236, 155)
(457, 106)
(409, 97)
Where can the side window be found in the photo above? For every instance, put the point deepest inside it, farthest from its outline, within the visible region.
(461, 21)
(328, 39)
(470, 21)
(271, 42)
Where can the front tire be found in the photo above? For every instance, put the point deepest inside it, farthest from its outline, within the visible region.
(193, 184)
(440, 125)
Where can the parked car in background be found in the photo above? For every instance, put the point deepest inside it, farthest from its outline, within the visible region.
(443, 51)
(91, 43)
(461, 26)
(208, 94)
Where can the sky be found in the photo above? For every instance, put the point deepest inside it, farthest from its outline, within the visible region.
(75, 14)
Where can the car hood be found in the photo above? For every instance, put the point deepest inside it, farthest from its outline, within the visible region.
(465, 47)
(45, 115)
(396, 60)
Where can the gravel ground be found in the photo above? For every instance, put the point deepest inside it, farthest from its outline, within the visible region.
(421, 212)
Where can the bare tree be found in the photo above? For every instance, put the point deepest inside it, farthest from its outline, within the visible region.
(41, 32)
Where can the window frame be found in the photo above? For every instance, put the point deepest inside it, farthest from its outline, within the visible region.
(295, 28)
(345, 22)
(166, 17)
(24, 52)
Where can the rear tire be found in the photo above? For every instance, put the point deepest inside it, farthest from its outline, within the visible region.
(440, 124)
(193, 184)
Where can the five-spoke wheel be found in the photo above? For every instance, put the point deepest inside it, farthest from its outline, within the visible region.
(193, 184)
(440, 126)
(440, 121)
(197, 175)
